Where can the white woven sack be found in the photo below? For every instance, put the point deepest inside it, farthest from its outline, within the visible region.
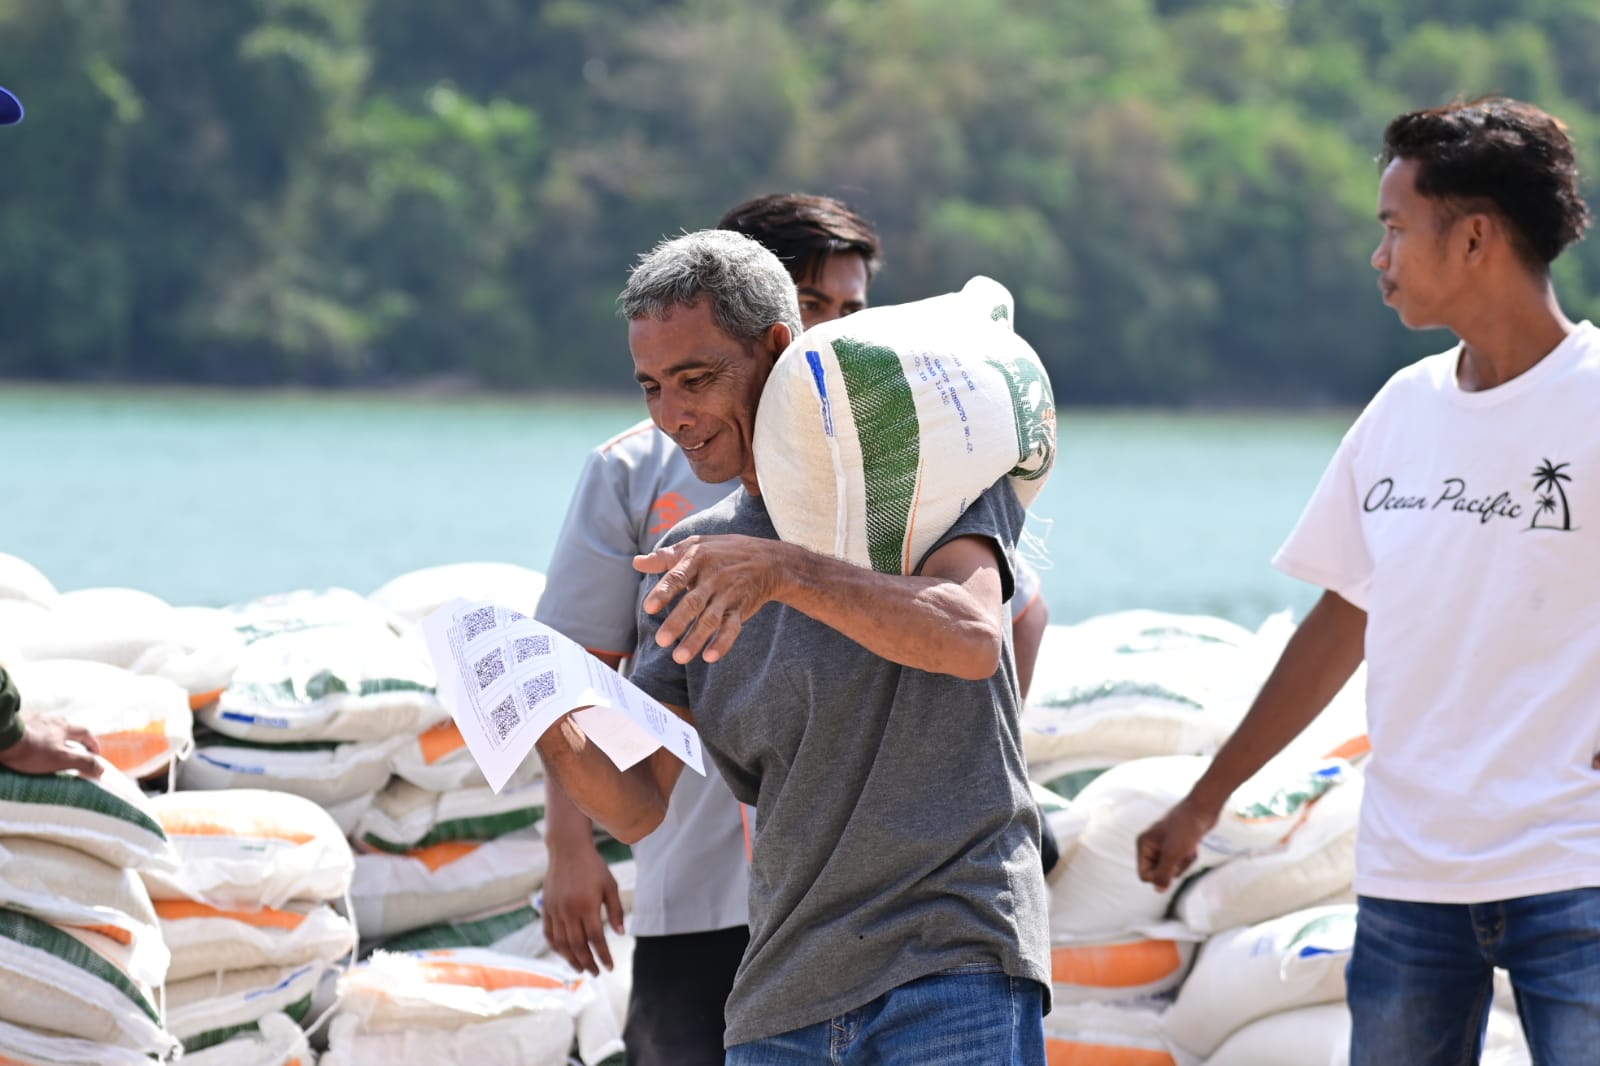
(1318, 860)
(205, 939)
(250, 848)
(876, 431)
(396, 893)
(21, 580)
(404, 817)
(66, 984)
(1248, 973)
(1099, 895)
(24, 1046)
(1093, 1034)
(327, 773)
(535, 1039)
(516, 930)
(323, 666)
(141, 723)
(1305, 1036)
(203, 1006)
(108, 818)
(457, 989)
(1131, 968)
(413, 596)
(69, 889)
(277, 1040)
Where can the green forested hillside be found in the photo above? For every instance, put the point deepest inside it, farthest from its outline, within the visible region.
(378, 191)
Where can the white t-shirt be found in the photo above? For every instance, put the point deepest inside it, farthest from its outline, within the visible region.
(693, 871)
(1467, 525)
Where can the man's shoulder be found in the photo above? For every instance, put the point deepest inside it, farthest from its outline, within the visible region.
(737, 512)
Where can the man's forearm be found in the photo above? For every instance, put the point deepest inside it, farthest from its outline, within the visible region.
(1321, 656)
(629, 804)
(930, 623)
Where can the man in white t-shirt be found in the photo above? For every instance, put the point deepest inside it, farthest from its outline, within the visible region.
(1457, 533)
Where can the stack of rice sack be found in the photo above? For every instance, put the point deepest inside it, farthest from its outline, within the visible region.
(81, 954)
(468, 1007)
(193, 648)
(1118, 952)
(324, 694)
(248, 918)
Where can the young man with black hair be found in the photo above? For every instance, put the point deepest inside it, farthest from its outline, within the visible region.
(1457, 535)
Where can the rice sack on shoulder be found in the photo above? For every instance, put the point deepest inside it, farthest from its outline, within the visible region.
(876, 431)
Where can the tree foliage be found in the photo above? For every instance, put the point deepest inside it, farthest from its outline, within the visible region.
(1179, 192)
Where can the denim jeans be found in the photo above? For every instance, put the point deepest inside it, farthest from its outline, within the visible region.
(970, 1016)
(1421, 977)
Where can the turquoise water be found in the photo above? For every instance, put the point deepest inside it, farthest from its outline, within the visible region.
(213, 498)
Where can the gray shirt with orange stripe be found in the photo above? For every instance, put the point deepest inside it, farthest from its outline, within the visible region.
(693, 874)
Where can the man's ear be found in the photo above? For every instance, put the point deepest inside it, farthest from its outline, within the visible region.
(1478, 227)
(776, 340)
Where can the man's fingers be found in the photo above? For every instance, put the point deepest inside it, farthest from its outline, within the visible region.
(84, 737)
(699, 634)
(614, 905)
(732, 626)
(83, 762)
(597, 942)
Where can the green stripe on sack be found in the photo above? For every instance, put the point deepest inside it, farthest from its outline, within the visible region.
(477, 934)
(69, 790)
(212, 1038)
(891, 445)
(1035, 415)
(483, 827)
(41, 936)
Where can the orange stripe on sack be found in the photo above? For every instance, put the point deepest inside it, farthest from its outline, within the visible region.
(1353, 748)
(198, 700)
(1115, 965)
(916, 497)
(129, 749)
(489, 978)
(110, 932)
(440, 741)
(230, 824)
(176, 910)
(749, 848)
(1072, 1053)
(442, 854)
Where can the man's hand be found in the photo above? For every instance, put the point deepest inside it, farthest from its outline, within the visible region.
(579, 895)
(49, 745)
(1169, 847)
(718, 582)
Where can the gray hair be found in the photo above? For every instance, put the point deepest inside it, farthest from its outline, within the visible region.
(748, 286)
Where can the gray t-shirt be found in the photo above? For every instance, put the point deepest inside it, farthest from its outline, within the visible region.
(897, 835)
(693, 875)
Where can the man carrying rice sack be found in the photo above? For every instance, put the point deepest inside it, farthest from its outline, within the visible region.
(1455, 532)
(690, 907)
(897, 906)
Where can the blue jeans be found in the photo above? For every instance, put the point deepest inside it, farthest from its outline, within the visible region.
(970, 1016)
(1421, 976)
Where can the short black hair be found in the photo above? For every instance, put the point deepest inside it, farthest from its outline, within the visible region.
(1510, 154)
(803, 231)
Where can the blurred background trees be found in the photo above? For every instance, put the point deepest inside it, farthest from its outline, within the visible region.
(1179, 193)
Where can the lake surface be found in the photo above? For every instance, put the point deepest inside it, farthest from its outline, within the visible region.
(214, 498)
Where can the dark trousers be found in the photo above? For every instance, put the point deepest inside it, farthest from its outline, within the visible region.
(680, 987)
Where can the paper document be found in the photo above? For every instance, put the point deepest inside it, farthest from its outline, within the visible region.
(506, 679)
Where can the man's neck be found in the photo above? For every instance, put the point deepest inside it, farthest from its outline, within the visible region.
(1508, 334)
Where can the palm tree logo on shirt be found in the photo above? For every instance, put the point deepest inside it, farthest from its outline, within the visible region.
(1547, 481)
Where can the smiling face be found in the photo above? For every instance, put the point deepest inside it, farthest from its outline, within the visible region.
(1421, 261)
(702, 387)
(837, 287)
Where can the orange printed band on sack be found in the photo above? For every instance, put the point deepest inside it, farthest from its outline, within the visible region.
(438, 855)
(129, 749)
(1072, 1053)
(441, 740)
(221, 824)
(110, 932)
(1142, 962)
(1353, 748)
(489, 978)
(198, 700)
(176, 910)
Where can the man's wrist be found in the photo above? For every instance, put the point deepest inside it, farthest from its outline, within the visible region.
(11, 733)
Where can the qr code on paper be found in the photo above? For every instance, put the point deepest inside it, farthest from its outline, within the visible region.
(489, 669)
(540, 688)
(505, 717)
(478, 622)
(515, 616)
(525, 648)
